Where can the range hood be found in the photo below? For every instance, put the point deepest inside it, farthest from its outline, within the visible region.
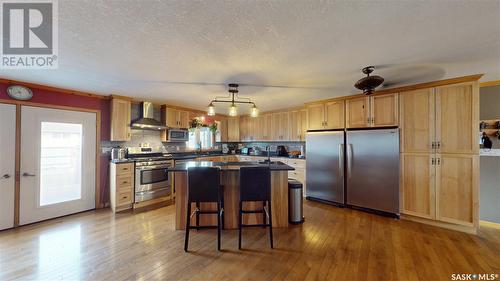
(147, 121)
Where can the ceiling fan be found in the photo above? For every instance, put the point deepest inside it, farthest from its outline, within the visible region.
(369, 83)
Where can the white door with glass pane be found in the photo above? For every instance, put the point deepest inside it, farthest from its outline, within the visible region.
(7, 164)
(58, 163)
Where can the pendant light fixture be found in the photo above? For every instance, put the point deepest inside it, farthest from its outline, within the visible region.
(233, 99)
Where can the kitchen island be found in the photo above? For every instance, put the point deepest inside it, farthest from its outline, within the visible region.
(230, 181)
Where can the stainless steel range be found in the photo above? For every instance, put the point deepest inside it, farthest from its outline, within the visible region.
(151, 173)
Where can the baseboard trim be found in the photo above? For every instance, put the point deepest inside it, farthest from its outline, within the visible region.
(490, 224)
(462, 228)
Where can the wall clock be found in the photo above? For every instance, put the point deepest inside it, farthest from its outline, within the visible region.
(18, 92)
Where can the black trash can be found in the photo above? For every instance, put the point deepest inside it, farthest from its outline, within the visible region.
(295, 208)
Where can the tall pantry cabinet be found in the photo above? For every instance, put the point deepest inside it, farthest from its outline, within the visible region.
(439, 153)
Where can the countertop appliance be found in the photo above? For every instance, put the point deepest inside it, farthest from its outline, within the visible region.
(357, 168)
(281, 150)
(118, 153)
(147, 121)
(152, 179)
(177, 135)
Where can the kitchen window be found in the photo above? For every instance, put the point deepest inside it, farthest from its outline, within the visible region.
(204, 141)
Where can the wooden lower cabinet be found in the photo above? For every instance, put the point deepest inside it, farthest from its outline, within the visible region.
(121, 186)
(457, 182)
(440, 187)
(417, 185)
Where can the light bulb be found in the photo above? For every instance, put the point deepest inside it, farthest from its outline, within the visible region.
(254, 111)
(233, 110)
(211, 110)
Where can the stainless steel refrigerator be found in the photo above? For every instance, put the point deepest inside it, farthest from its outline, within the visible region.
(358, 168)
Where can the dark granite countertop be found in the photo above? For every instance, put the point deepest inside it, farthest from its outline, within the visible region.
(122, 161)
(185, 156)
(230, 166)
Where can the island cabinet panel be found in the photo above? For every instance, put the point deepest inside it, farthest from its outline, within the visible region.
(418, 185)
(357, 112)
(456, 188)
(417, 121)
(120, 120)
(230, 181)
(457, 119)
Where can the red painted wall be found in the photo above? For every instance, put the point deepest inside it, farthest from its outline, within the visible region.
(62, 99)
(57, 98)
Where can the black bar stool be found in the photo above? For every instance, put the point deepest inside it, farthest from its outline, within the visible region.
(255, 185)
(204, 186)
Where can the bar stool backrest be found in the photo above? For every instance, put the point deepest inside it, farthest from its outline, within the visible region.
(203, 184)
(255, 184)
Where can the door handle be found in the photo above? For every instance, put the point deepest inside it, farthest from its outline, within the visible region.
(341, 160)
(349, 161)
(28, 175)
(6, 176)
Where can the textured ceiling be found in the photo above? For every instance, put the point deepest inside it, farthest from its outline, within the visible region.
(309, 49)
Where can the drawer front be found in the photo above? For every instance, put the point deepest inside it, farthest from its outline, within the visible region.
(124, 198)
(126, 168)
(298, 175)
(297, 163)
(124, 181)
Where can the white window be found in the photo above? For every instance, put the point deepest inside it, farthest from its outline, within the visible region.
(205, 139)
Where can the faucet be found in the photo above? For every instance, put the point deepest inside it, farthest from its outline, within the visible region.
(268, 150)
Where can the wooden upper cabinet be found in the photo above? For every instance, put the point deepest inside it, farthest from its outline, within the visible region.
(457, 118)
(384, 110)
(327, 115)
(275, 126)
(222, 129)
(295, 125)
(456, 188)
(285, 125)
(303, 124)
(175, 118)
(233, 129)
(418, 185)
(266, 130)
(417, 120)
(315, 116)
(357, 112)
(120, 120)
(334, 115)
(183, 119)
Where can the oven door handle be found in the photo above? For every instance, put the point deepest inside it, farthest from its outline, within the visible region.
(153, 167)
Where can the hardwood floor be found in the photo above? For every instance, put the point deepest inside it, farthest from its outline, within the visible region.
(333, 244)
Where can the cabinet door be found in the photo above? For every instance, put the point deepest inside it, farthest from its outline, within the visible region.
(357, 112)
(259, 128)
(120, 120)
(334, 115)
(295, 128)
(244, 128)
(222, 130)
(171, 118)
(233, 129)
(266, 126)
(457, 116)
(284, 126)
(417, 120)
(275, 128)
(303, 124)
(384, 110)
(418, 185)
(183, 119)
(315, 116)
(457, 188)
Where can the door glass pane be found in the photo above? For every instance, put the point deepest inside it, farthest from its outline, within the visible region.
(60, 162)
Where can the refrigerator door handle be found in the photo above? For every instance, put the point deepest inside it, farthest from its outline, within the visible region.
(349, 160)
(341, 160)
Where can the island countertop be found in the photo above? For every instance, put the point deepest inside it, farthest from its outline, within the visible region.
(230, 166)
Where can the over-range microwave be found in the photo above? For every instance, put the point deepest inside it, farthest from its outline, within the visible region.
(177, 135)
